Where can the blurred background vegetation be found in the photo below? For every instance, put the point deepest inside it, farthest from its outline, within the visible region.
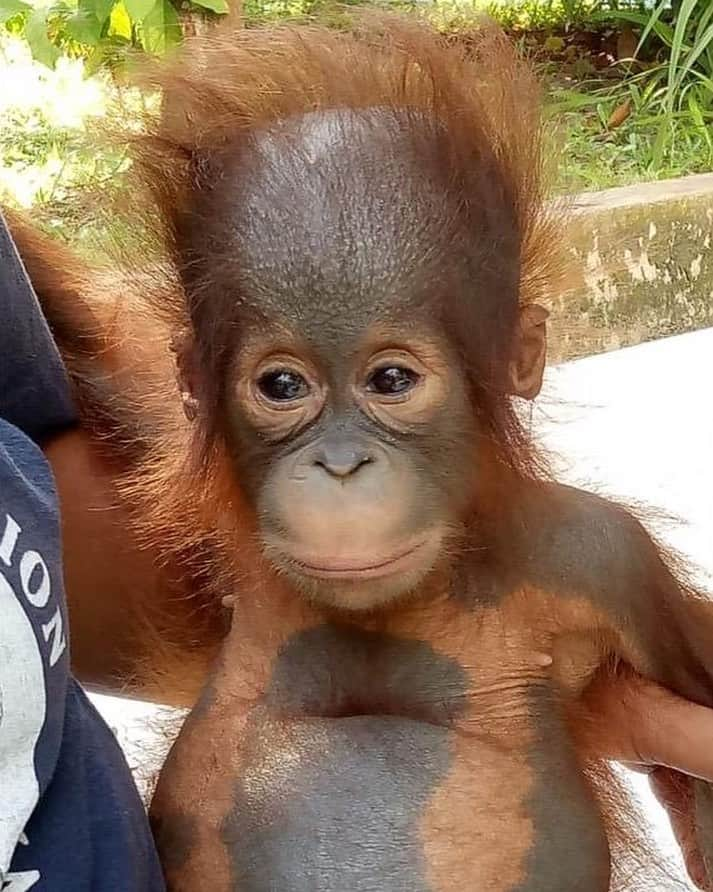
(630, 83)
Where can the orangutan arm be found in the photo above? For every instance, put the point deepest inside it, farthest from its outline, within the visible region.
(106, 574)
(669, 726)
(654, 623)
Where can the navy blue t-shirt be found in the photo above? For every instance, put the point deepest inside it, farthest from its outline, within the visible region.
(71, 819)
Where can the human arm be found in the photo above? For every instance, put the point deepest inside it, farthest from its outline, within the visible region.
(642, 724)
(650, 729)
(104, 567)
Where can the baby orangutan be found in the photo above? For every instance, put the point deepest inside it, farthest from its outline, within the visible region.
(355, 234)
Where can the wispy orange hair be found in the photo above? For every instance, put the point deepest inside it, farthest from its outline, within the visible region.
(232, 82)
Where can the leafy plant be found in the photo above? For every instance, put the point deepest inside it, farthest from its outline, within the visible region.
(543, 14)
(101, 30)
(676, 93)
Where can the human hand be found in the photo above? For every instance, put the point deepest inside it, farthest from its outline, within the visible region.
(634, 721)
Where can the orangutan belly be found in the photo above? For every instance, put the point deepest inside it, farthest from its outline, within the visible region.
(395, 805)
(376, 764)
(370, 803)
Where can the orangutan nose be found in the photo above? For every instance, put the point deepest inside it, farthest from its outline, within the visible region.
(341, 459)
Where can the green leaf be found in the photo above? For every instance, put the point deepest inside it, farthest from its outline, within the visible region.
(665, 32)
(571, 100)
(41, 47)
(219, 6)
(161, 28)
(650, 20)
(663, 136)
(139, 9)
(100, 9)
(626, 15)
(61, 10)
(11, 8)
(679, 34)
(84, 27)
(89, 23)
(703, 80)
(703, 22)
(700, 121)
(704, 41)
(650, 25)
(602, 114)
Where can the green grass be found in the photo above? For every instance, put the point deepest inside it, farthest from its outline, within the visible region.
(620, 161)
(591, 163)
(593, 157)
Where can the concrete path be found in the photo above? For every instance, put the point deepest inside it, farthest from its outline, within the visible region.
(636, 425)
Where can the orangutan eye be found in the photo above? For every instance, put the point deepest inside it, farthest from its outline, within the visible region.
(392, 380)
(283, 386)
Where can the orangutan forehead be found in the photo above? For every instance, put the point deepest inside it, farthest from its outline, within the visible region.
(323, 136)
(345, 186)
(332, 222)
(337, 211)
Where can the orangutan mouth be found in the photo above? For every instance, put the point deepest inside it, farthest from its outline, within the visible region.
(354, 570)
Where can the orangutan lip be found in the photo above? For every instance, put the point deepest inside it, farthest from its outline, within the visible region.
(365, 571)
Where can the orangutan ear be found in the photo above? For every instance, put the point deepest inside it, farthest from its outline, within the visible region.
(527, 365)
(183, 346)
